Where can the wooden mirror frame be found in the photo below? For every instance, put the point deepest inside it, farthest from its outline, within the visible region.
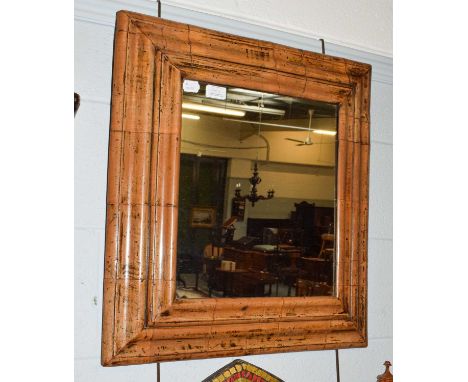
(142, 320)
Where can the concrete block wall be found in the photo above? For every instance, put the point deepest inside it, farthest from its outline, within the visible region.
(93, 68)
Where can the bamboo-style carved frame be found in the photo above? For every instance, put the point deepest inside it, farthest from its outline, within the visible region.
(142, 320)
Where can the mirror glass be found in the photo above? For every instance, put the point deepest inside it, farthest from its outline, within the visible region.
(257, 194)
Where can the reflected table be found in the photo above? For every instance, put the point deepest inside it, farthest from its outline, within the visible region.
(229, 279)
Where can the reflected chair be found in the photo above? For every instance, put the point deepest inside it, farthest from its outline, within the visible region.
(327, 252)
(289, 275)
(327, 248)
(212, 256)
(188, 264)
(311, 288)
(304, 287)
(320, 268)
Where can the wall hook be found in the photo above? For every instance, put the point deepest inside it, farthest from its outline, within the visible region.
(323, 45)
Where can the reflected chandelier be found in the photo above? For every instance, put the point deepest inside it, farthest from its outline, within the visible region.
(253, 196)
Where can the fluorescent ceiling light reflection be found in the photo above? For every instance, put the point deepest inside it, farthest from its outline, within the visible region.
(212, 109)
(190, 116)
(252, 92)
(317, 131)
(232, 106)
(324, 132)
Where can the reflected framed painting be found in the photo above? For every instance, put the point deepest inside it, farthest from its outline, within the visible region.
(202, 217)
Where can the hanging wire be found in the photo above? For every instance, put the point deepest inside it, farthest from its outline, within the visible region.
(337, 366)
(260, 106)
(158, 370)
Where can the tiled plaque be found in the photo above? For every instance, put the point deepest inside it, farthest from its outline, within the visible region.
(241, 371)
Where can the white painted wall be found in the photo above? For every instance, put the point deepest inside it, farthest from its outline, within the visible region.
(362, 24)
(93, 65)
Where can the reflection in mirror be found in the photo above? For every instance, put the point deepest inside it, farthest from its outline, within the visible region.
(257, 194)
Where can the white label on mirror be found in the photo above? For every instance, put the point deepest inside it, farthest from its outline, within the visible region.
(216, 92)
(191, 86)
